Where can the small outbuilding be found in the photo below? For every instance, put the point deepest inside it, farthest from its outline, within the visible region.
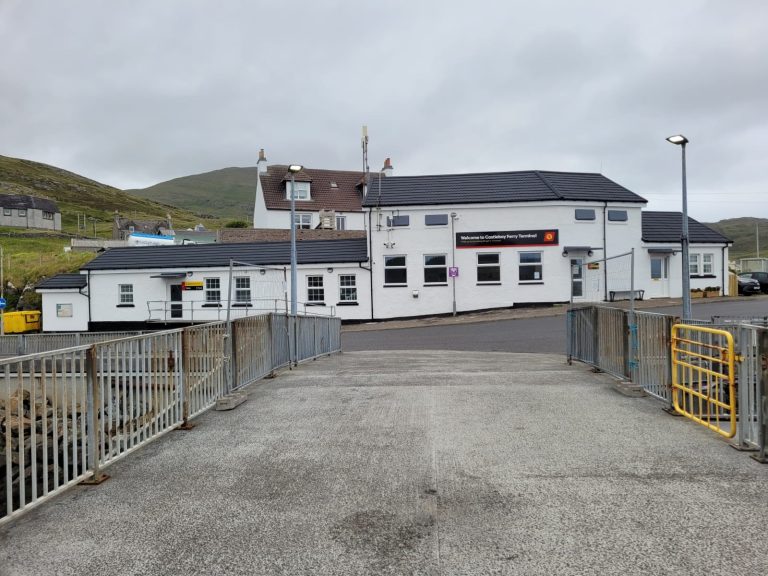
(24, 211)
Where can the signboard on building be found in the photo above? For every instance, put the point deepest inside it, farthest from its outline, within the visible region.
(192, 285)
(64, 310)
(453, 272)
(509, 238)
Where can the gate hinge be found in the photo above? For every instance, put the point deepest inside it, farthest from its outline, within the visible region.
(739, 357)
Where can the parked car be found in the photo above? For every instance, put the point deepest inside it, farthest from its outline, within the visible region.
(748, 285)
(761, 277)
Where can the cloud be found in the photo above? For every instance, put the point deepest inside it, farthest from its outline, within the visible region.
(132, 93)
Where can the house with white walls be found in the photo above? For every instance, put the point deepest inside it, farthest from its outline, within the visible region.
(329, 199)
(434, 245)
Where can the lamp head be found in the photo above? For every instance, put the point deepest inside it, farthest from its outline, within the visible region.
(295, 168)
(678, 139)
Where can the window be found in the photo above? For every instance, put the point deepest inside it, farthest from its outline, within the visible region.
(435, 271)
(341, 222)
(659, 268)
(396, 221)
(617, 215)
(347, 288)
(436, 220)
(315, 290)
(707, 264)
(242, 289)
(585, 214)
(488, 269)
(213, 290)
(47, 215)
(125, 294)
(7, 212)
(303, 221)
(22, 211)
(693, 264)
(300, 191)
(530, 267)
(395, 272)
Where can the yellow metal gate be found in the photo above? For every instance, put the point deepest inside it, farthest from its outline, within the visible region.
(703, 377)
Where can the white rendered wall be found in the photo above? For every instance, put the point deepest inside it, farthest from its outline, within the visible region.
(79, 320)
(418, 240)
(151, 296)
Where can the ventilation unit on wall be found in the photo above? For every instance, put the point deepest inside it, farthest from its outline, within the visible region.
(327, 220)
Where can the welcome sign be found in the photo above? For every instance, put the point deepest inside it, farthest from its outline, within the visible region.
(509, 238)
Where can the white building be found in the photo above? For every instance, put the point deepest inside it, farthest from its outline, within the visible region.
(23, 211)
(435, 244)
(324, 198)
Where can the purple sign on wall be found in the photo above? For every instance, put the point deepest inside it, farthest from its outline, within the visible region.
(453, 272)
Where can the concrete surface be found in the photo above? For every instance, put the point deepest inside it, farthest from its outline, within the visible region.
(432, 463)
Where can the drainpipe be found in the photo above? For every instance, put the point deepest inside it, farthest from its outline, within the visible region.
(370, 256)
(89, 299)
(722, 273)
(605, 254)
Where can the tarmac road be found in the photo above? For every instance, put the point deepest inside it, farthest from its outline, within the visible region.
(540, 334)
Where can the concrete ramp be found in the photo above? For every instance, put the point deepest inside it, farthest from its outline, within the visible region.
(415, 463)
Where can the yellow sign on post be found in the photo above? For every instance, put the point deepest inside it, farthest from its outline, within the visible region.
(704, 377)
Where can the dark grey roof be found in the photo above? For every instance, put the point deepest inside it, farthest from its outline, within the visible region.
(526, 186)
(62, 281)
(668, 227)
(217, 255)
(27, 202)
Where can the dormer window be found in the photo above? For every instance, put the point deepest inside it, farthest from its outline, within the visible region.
(301, 191)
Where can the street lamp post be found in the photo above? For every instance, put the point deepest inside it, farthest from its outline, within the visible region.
(454, 216)
(293, 168)
(680, 140)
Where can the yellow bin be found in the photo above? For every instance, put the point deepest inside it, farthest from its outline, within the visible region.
(21, 321)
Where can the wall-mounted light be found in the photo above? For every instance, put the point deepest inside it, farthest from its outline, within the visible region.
(329, 270)
(189, 274)
(415, 293)
(262, 271)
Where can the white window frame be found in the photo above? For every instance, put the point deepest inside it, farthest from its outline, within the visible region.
(341, 222)
(398, 267)
(22, 211)
(443, 267)
(664, 271)
(708, 264)
(694, 264)
(47, 215)
(7, 211)
(539, 264)
(212, 290)
(301, 191)
(242, 289)
(347, 288)
(489, 265)
(125, 293)
(315, 289)
(302, 220)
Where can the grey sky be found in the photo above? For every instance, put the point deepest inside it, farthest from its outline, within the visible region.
(134, 92)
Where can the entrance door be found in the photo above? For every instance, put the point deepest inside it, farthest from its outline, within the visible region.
(177, 310)
(577, 278)
(660, 275)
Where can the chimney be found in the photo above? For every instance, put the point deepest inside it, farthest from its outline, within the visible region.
(387, 170)
(262, 163)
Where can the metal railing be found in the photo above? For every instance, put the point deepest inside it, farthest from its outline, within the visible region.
(650, 365)
(66, 414)
(169, 311)
(23, 344)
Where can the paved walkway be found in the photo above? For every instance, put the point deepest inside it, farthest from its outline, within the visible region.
(415, 463)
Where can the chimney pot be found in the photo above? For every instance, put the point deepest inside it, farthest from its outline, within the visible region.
(387, 170)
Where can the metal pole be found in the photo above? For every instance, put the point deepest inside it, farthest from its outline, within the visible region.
(453, 260)
(686, 258)
(228, 335)
(293, 246)
(632, 319)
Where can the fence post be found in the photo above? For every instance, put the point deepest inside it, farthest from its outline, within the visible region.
(762, 396)
(93, 415)
(669, 322)
(627, 345)
(186, 372)
(595, 337)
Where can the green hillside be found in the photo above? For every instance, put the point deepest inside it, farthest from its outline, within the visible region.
(75, 193)
(229, 192)
(742, 232)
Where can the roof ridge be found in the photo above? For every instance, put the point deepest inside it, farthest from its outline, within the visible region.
(548, 185)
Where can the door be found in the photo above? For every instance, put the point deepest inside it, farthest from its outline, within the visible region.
(660, 275)
(177, 308)
(577, 278)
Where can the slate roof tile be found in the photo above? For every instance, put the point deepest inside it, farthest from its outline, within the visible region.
(668, 227)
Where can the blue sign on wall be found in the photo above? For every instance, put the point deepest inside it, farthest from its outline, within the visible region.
(3, 303)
